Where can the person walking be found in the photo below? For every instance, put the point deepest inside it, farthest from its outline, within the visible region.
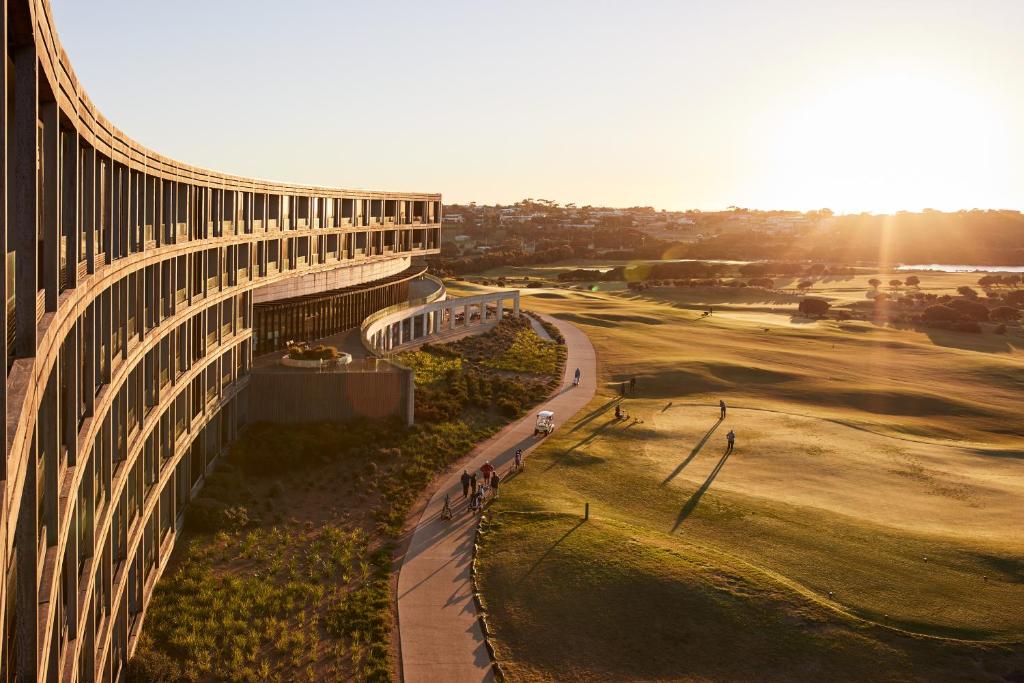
(465, 484)
(519, 459)
(486, 471)
(475, 502)
(721, 404)
(576, 378)
(472, 484)
(632, 385)
(730, 439)
(622, 389)
(495, 480)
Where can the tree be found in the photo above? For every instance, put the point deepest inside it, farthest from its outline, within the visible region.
(804, 285)
(988, 280)
(969, 292)
(970, 309)
(912, 281)
(1015, 298)
(1004, 314)
(814, 307)
(895, 284)
(875, 282)
(940, 314)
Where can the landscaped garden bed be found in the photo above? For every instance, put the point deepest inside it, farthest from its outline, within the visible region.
(283, 572)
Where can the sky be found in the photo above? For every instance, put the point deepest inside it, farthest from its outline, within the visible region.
(854, 105)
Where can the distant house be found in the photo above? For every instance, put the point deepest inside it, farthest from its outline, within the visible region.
(507, 218)
(453, 218)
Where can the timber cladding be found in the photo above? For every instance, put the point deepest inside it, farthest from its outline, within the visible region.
(298, 396)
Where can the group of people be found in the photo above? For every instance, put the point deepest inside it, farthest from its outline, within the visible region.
(475, 488)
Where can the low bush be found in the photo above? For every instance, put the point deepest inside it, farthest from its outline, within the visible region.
(153, 666)
(814, 307)
(306, 352)
(209, 515)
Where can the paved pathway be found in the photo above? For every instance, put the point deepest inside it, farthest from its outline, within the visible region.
(440, 635)
(539, 329)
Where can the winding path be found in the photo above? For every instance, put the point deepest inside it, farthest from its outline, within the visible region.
(440, 634)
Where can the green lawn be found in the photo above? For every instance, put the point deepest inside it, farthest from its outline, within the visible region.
(865, 528)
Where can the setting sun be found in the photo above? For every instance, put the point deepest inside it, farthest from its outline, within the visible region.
(887, 142)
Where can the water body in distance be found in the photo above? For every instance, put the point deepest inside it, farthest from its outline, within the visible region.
(961, 268)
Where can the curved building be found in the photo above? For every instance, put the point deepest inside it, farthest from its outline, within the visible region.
(130, 280)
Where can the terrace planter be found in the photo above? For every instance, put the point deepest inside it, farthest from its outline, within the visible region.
(342, 359)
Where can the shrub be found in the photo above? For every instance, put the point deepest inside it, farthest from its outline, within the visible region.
(508, 408)
(1004, 314)
(1015, 298)
(306, 352)
(970, 309)
(940, 314)
(804, 284)
(814, 307)
(152, 666)
(209, 515)
(967, 326)
(969, 292)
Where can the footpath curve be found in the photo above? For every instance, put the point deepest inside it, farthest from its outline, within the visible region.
(438, 628)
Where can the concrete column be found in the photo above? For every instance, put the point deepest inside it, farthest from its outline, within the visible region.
(515, 305)
(501, 309)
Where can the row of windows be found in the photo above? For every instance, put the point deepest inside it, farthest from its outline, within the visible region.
(108, 562)
(77, 214)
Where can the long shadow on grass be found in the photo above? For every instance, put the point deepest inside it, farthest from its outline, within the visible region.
(579, 444)
(693, 453)
(691, 504)
(595, 413)
(549, 551)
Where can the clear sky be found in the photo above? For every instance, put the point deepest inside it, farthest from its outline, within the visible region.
(854, 105)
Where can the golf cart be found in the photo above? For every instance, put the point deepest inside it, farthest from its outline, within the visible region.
(545, 423)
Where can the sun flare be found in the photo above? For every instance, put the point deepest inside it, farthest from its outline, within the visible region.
(892, 141)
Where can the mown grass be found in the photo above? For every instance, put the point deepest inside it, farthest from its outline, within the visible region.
(699, 578)
(284, 570)
(606, 601)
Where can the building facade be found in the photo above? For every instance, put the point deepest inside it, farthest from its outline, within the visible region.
(129, 281)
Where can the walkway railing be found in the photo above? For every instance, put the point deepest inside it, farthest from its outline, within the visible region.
(415, 322)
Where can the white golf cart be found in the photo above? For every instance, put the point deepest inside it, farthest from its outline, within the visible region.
(545, 423)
